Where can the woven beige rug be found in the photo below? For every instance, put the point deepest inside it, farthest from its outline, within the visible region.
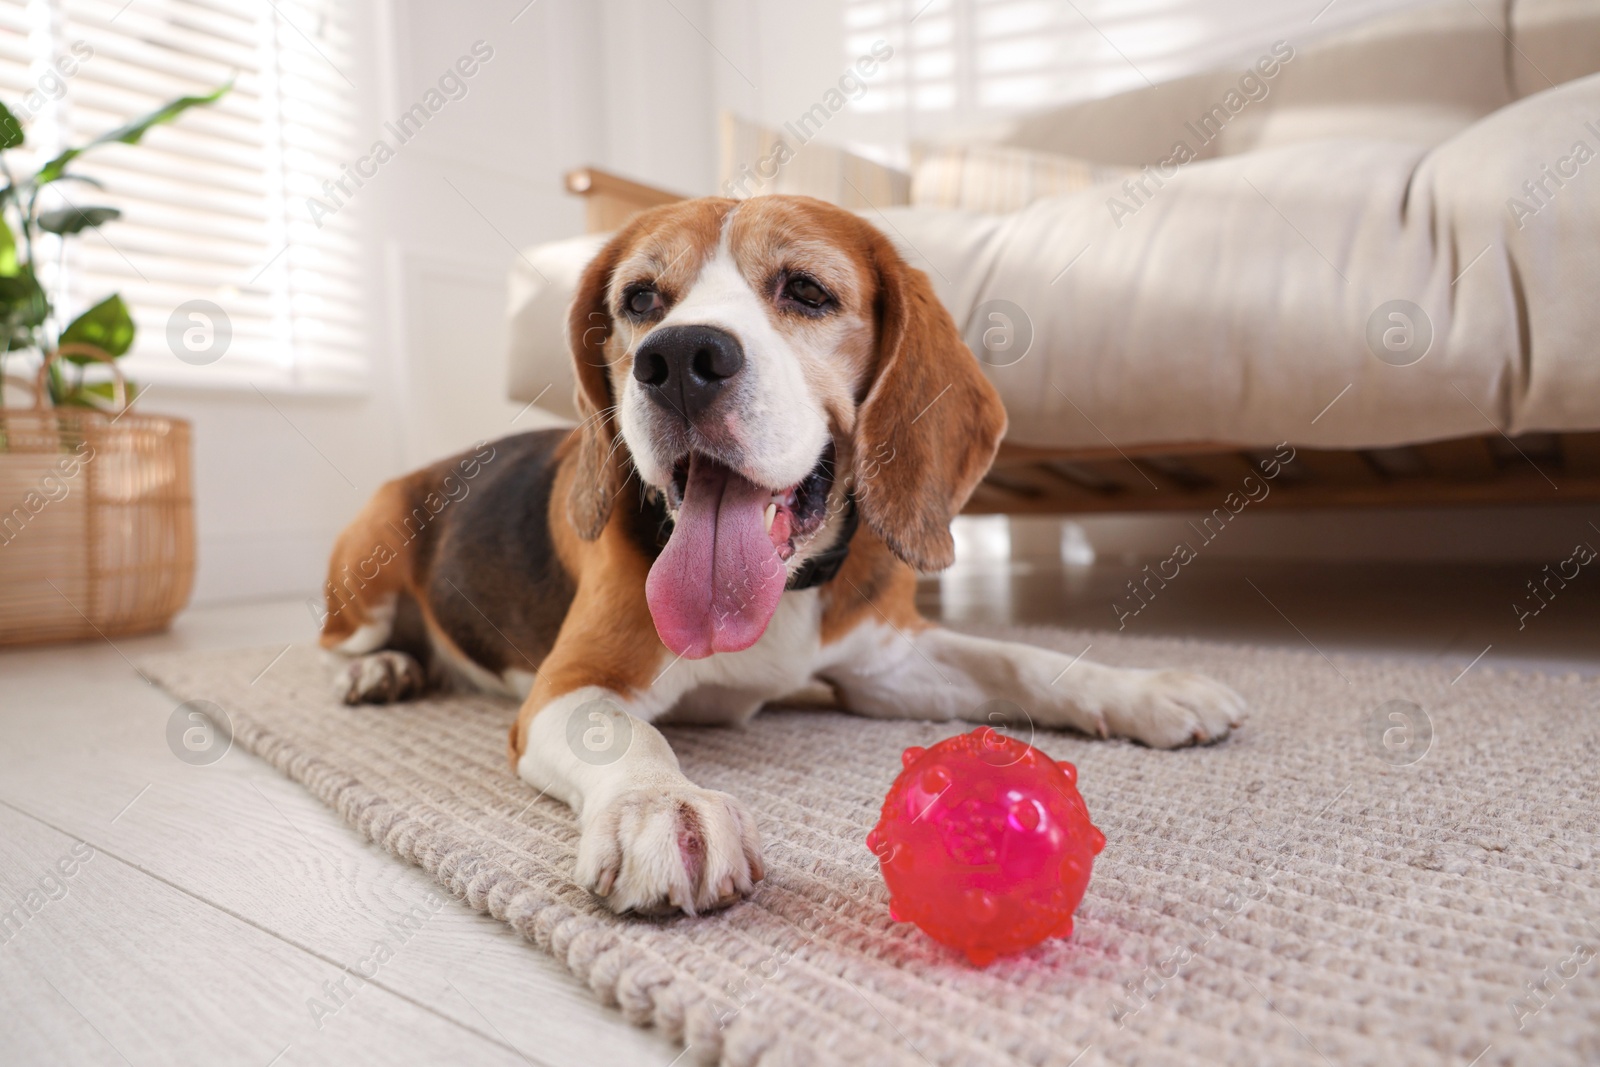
(1332, 886)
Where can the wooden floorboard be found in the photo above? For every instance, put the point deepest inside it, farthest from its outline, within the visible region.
(118, 966)
(81, 737)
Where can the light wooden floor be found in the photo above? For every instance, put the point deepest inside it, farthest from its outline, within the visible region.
(221, 899)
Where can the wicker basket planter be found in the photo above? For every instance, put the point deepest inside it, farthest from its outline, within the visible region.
(96, 522)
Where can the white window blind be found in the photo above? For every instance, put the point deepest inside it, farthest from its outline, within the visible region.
(214, 204)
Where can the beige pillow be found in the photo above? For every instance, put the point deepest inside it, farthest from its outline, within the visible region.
(758, 160)
(998, 180)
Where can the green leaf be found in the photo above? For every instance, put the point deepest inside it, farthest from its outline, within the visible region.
(8, 250)
(84, 178)
(75, 398)
(107, 326)
(131, 132)
(22, 300)
(69, 220)
(103, 391)
(11, 135)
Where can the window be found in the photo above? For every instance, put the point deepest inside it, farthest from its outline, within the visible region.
(214, 206)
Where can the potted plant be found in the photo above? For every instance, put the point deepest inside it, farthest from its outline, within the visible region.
(27, 317)
(96, 511)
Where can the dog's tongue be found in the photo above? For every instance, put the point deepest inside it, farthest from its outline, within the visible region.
(716, 584)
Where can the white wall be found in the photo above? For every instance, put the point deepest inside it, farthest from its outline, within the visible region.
(779, 57)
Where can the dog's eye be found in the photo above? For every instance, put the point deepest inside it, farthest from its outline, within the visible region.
(641, 300)
(807, 291)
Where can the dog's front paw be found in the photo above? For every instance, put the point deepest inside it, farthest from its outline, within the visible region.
(1166, 709)
(656, 850)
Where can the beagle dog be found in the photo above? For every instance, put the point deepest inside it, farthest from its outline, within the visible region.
(780, 422)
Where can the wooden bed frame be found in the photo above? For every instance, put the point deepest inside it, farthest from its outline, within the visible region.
(1536, 468)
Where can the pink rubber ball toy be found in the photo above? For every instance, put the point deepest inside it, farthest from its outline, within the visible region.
(985, 844)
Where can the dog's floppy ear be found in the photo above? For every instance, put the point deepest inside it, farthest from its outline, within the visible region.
(597, 477)
(930, 424)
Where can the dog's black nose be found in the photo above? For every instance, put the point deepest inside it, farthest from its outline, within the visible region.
(683, 368)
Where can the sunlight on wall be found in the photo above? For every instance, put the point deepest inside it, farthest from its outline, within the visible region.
(978, 58)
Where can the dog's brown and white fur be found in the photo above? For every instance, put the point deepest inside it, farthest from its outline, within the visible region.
(533, 581)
